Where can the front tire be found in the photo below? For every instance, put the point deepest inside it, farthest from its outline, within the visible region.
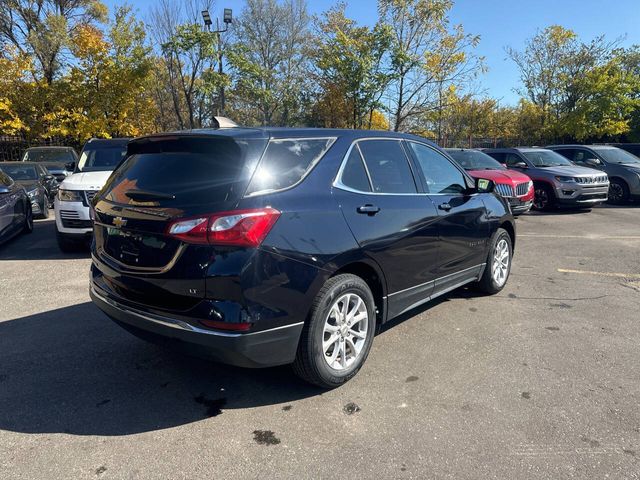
(618, 192)
(496, 272)
(28, 220)
(337, 338)
(544, 198)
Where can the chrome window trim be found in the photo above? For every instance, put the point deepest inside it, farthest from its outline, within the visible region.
(306, 174)
(337, 182)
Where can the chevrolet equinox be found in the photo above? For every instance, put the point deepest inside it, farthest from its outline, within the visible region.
(261, 247)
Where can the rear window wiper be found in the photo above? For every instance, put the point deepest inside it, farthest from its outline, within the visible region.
(148, 195)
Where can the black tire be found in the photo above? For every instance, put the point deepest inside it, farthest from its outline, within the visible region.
(44, 208)
(618, 191)
(544, 199)
(311, 364)
(66, 244)
(28, 220)
(488, 283)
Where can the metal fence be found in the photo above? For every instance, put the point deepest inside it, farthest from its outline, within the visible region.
(12, 147)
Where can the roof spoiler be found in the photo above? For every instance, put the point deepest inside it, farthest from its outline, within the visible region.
(223, 122)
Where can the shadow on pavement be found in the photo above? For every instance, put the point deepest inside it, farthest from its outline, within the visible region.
(73, 371)
(39, 245)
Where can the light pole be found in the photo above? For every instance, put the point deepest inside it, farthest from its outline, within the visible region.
(227, 18)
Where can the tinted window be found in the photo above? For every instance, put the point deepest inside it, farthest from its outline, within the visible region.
(354, 175)
(617, 155)
(194, 170)
(388, 166)
(286, 162)
(440, 174)
(511, 159)
(474, 160)
(101, 158)
(566, 152)
(20, 172)
(60, 156)
(5, 180)
(499, 156)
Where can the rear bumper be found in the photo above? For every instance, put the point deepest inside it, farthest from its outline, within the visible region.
(266, 348)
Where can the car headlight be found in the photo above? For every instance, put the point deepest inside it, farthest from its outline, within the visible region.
(565, 179)
(70, 195)
(32, 193)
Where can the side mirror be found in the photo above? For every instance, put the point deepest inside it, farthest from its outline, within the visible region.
(4, 189)
(520, 165)
(484, 185)
(592, 162)
(70, 166)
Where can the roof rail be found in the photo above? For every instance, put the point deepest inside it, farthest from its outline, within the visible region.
(223, 122)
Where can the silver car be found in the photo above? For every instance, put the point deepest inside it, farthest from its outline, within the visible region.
(556, 180)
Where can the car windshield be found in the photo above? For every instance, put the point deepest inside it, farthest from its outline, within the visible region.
(47, 155)
(20, 172)
(546, 158)
(617, 156)
(475, 160)
(95, 158)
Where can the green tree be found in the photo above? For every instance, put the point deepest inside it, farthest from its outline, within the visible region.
(351, 59)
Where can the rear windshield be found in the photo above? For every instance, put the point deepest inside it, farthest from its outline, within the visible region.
(185, 170)
(20, 172)
(60, 156)
(286, 162)
(104, 157)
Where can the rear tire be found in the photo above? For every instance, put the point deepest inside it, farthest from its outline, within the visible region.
(339, 333)
(496, 272)
(618, 192)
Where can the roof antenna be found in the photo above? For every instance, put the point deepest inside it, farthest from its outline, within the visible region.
(223, 122)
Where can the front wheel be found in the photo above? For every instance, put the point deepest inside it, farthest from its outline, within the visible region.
(543, 198)
(618, 192)
(338, 335)
(496, 272)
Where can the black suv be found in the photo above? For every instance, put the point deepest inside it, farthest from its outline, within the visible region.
(260, 247)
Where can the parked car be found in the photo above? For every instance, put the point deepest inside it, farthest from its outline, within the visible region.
(260, 247)
(59, 161)
(622, 167)
(37, 181)
(99, 157)
(556, 181)
(15, 209)
(633, 148)
(515, 186)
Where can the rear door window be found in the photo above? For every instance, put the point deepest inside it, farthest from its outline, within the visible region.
(185, 170)
(499, 156)
(286, 162)
(354, 174)
(388, 166)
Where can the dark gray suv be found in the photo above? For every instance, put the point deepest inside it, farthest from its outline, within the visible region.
(622, 167)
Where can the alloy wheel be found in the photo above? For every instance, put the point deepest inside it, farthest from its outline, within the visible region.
(501, 260)
(345, 331)
(541, 199)
(616, 192)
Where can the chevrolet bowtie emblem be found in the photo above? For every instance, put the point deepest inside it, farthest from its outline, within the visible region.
(119, 222)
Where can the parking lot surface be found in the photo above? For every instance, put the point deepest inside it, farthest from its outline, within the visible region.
(539, 381)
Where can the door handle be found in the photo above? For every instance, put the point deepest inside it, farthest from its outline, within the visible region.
(444, 206)
(370, 210)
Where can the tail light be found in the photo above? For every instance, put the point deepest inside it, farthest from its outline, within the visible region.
(242, 228)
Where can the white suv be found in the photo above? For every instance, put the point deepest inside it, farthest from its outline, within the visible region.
(97, 160)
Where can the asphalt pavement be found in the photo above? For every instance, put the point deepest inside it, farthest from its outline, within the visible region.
(541, 381)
